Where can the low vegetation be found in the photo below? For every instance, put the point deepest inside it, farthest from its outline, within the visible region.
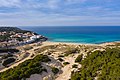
(71, 51)
(28, 47)
(61, 56)
(4, 38)
(79, 58)
(105, 65)
(5, 56)
(45, 48)
(25, 69)
(8, 29)
(55, 70)
(60, 59)
(74, 66)
(66, 63)
(8, 50)
(8, 61)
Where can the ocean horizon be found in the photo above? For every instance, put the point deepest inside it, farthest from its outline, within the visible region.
(78, 34)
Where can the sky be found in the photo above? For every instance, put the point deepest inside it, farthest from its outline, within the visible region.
(59, 12)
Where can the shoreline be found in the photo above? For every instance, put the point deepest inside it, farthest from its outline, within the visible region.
(73, 43)
(68, 43)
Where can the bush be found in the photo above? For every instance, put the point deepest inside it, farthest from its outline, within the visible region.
(61, 56)
(66, 63)
(45, 48)
(19, 39)
(76, 76)
(8, 61)
(71, 51)
(25, 69)
(28, 47)
(6, 56)
(74, 66)
(55, 70)
(42, 58)
(66, 54)
(107, 62)
(49, 53)
(79, 58)
(8, 50)
(60, 59)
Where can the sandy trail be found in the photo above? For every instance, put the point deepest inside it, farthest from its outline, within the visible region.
(67, 69)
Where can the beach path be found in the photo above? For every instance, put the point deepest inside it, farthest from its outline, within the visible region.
(67, 69)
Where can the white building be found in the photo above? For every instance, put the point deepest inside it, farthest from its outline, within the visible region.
(35, 37)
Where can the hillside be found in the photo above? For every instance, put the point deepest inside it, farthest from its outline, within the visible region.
(12, 36)
(66, 61)
(14, 29)
(99, 65)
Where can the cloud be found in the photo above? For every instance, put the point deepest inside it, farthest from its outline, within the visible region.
(75, 1)
(53, 4)
(59, 12)
(56, 20)
(29, 4)
(10, 3)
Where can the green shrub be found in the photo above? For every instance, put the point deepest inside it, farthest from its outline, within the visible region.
(49, 53)
(60, 59)
(42, 58)
(107, 62)
(25, 69)
(8, 50)
(61, 56)
(8, 61)
(71, 51)
(76, 76)
(20, 39)
(4, 37)
(6, 56)
(66, 54)
(66, 63)
(45, 48)
(74, 66)
(55, 70)
(79, 58)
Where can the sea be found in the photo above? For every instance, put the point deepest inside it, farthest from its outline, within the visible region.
(78, 34)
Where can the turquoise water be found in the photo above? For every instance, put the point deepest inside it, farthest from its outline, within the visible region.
(79, 34)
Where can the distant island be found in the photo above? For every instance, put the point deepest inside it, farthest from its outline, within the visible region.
(26, 55)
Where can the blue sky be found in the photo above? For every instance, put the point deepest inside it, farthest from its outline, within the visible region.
(59, 12)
